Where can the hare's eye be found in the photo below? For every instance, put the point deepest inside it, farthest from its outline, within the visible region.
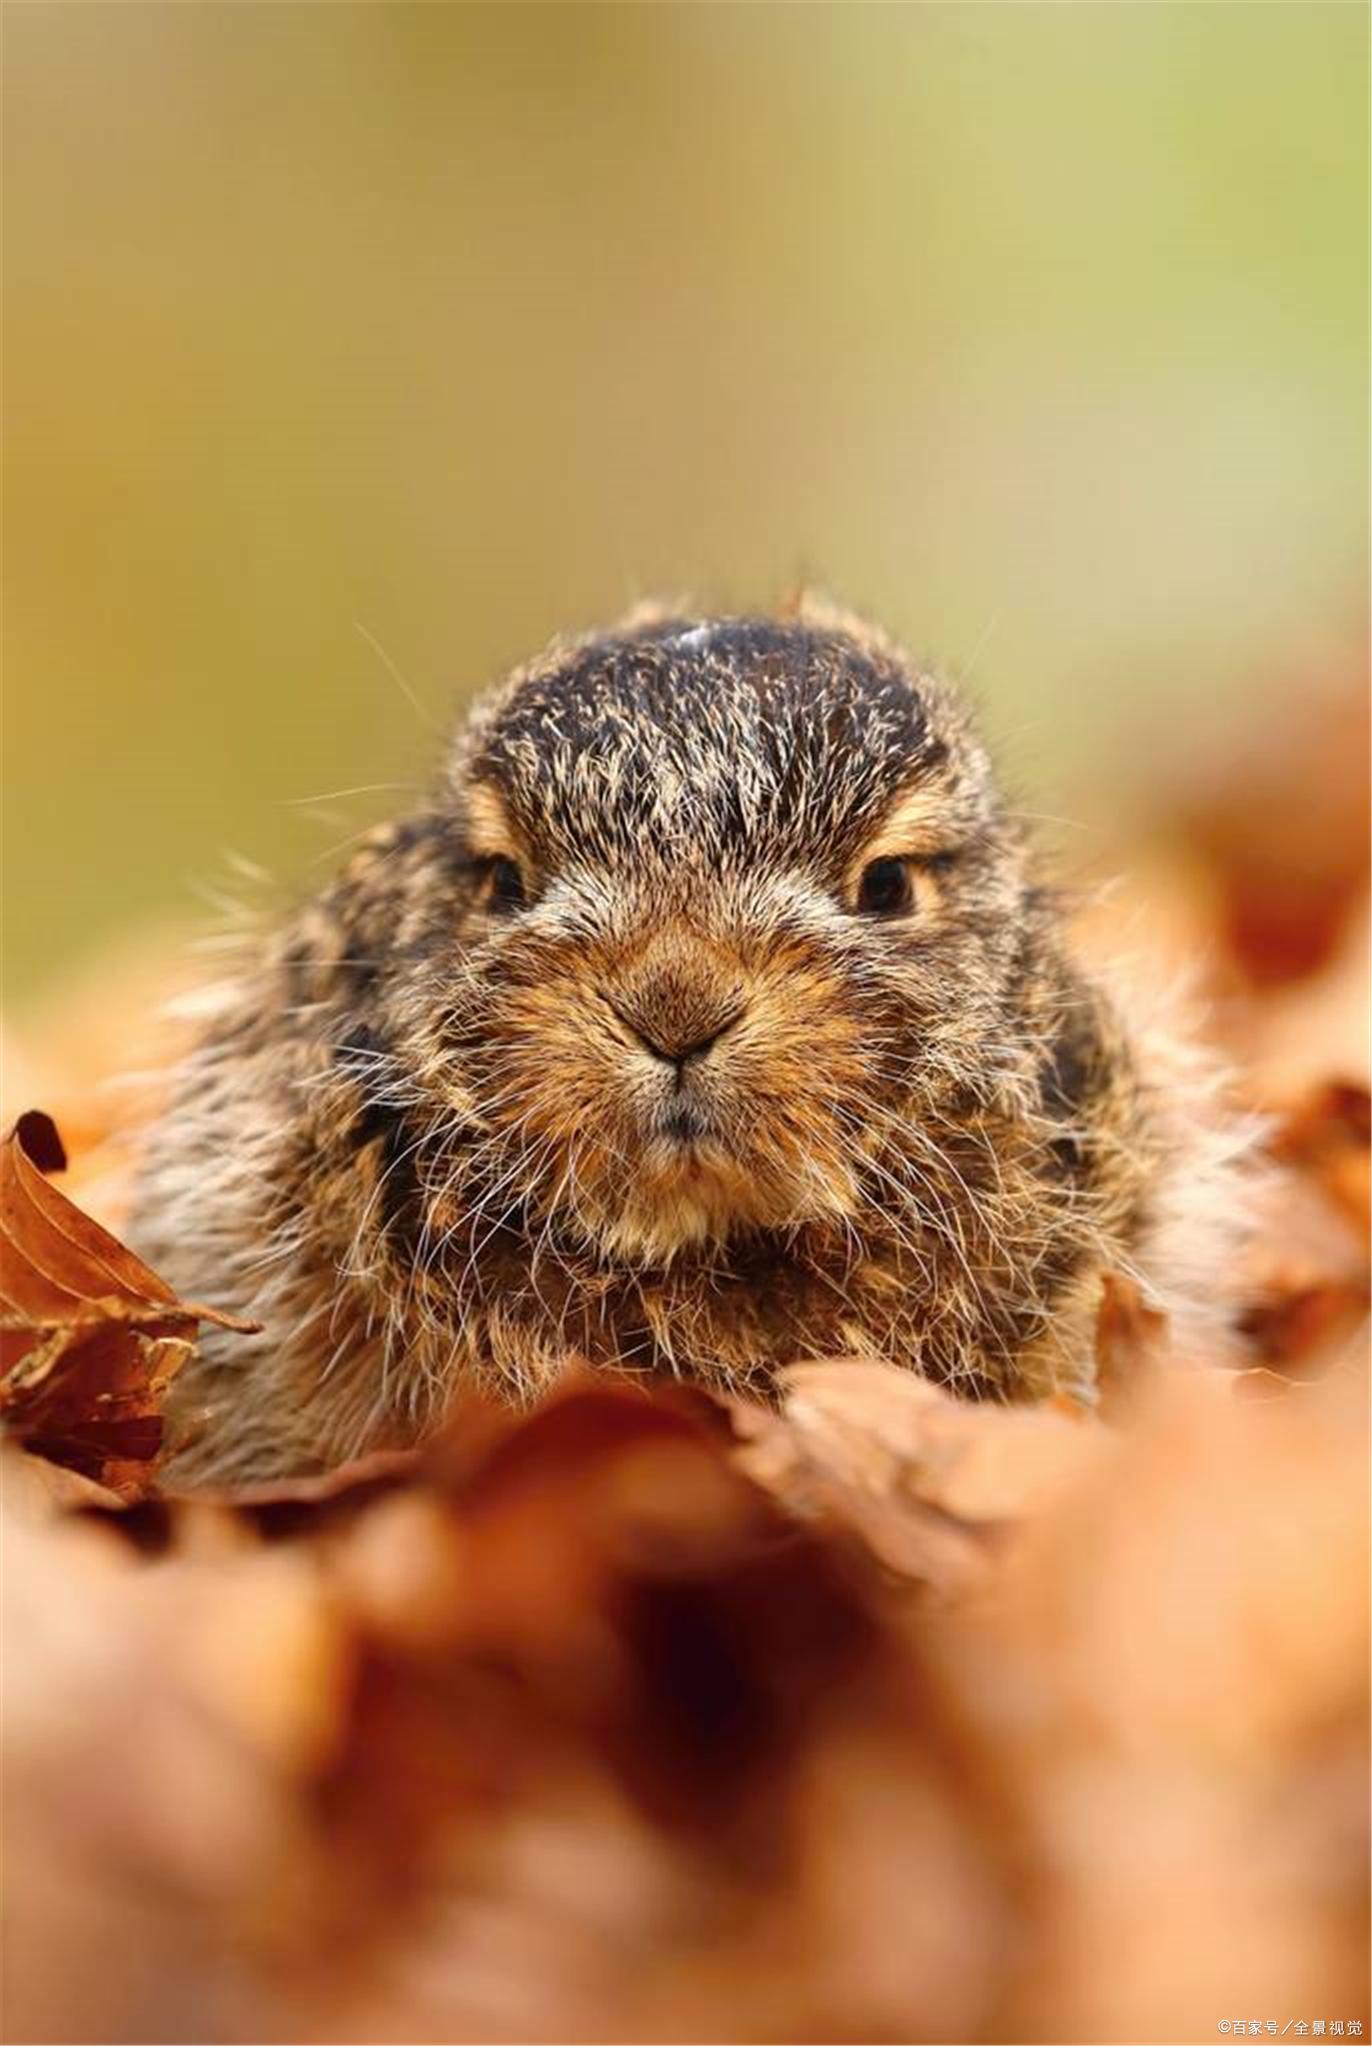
(504, 886)
(886, 889)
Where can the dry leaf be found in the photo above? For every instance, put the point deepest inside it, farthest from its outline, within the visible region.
(1131, 1337)
(90, 1337)
(929, 1483)
(1171, 1673)
(596, 1672)
(1328, 1135)
(1302, 1327)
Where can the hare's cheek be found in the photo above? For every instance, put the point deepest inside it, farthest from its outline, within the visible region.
(804, 1032)
(550, 1060)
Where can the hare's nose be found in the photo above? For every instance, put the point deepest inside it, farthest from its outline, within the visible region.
(669, 1046)
(678, 991)
(676, 1043)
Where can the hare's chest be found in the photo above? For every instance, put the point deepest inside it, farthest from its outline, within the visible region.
(730, 1327)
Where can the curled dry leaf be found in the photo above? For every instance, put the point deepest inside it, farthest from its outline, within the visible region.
(1306, 1327)
(1130, 1339)
(50, 1490)
(90, 1337)
(1328, 1135)
(929, 1483)
(1310, 1284)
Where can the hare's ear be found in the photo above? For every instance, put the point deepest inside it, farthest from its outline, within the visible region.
(814, 608)
(490, 830)
(804, 604)
(650, 614)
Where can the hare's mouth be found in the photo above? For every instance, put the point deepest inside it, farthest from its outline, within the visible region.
(691, 1162)
(692, 1188)
(688, 1157)
(684, 1199)
(683, 1122)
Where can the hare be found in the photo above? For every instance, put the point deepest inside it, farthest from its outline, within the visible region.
(710, 1014)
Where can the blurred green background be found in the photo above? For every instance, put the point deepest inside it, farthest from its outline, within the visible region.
(1040, 331)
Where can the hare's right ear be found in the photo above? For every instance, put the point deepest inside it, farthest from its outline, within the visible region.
(650, 614)
(803, 604)
(819, 612)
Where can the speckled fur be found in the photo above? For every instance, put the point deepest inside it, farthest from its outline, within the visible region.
(425, 1142)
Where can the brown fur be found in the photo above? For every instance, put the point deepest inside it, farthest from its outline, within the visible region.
(433, 1140)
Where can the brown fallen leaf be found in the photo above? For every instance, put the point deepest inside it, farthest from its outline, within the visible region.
(1328, 1135)
(1130, 1339)
(90, 1336)
(1171, 1671)
(1301, 1328)
(931, 1485)
(1308, 1288)
(50, 1491)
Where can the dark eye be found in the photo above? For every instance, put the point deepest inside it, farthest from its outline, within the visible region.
(504, 886)
(885, 889)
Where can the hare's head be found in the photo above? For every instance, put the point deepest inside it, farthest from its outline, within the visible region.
(730, 901)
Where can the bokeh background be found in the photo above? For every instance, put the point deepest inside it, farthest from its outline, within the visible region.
(349, 343)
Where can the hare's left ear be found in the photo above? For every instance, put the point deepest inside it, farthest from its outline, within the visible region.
(497, 851)
(490, 829)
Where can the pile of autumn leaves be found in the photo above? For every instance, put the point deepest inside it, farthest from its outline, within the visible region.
(640, 1717)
